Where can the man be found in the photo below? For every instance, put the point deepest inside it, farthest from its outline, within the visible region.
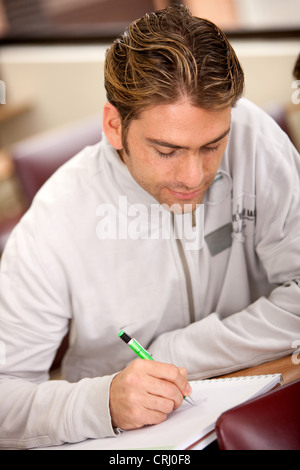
(178, 140)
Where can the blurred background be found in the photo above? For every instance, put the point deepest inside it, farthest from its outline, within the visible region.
(51, 76)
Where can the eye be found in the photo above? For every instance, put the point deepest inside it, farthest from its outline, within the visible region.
(166, 155)
(210, 149)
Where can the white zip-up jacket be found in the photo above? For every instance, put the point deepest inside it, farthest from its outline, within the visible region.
(232, 304)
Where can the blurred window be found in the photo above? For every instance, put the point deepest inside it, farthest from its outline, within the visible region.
(71, 20)
(51, 20)
(251, 17)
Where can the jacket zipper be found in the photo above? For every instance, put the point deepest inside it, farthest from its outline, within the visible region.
(187, 276)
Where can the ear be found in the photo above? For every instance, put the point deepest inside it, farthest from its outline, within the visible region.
(112, 126)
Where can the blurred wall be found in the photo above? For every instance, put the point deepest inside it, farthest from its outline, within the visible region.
(61, 84)
(65, 83)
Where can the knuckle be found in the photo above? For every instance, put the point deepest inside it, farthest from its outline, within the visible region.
(157, 418)
(183, 371)
(174, 373)
(130, 380)
(173, 394)
(131, 396)
(164, 405)
(136, 365)
(169, 406)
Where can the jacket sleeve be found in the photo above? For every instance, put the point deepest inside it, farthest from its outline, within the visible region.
(34, 317)
(270, 326)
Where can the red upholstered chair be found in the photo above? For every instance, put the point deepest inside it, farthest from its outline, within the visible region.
(269, 422)
(37, 158)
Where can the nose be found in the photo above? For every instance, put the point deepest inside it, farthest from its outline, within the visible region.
(189, 172)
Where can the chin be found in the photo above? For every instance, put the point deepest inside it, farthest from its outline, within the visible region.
(177, 207)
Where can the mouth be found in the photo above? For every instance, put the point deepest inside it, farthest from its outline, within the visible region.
(185, 196)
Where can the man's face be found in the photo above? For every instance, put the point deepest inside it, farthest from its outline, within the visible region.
(175, 150)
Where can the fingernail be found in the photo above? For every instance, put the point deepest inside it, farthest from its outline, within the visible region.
(188, 390)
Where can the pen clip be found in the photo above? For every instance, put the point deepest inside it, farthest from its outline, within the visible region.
(142, 348)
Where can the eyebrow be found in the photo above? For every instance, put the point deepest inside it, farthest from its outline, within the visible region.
(174, 146)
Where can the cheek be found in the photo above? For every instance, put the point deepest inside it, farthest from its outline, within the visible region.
(150, 168)
(213, 162)
(142, 168)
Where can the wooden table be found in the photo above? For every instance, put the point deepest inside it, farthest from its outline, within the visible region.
(284, 366)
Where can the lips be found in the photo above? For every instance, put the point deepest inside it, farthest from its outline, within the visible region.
(185, 196)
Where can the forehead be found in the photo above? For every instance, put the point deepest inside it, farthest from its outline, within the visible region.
(181, 122)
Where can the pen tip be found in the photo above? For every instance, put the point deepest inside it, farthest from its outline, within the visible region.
(190, 400)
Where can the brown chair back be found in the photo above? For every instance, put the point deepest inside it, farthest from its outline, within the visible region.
(269, 422)
(37, 158)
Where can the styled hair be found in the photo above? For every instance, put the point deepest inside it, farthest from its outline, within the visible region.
(167, 55)
(296, 71)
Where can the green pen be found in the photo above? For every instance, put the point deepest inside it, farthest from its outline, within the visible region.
(143, 354)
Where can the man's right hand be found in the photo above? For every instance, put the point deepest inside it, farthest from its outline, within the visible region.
(145, 392)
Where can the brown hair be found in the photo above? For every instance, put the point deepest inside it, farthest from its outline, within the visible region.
(167, 55)
(296, 71)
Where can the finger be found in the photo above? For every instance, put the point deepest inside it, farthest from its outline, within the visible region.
(183, 371)
(139, 397)
(163, 389)
(159, 404)
(150, 417)
(168, 372)
(137, 415)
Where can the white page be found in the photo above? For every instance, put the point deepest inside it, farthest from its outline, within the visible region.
(188, 423)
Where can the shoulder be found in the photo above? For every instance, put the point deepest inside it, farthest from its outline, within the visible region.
(249, 118)
(73, 190)
(258, 151)
(255, 135)
(75, 178)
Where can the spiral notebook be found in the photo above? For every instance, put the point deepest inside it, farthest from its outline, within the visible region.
(189, 426)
